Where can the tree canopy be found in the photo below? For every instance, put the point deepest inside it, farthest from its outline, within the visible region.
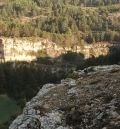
(60, 20)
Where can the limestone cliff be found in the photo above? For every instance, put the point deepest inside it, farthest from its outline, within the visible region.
(91, 101)
(22, 49)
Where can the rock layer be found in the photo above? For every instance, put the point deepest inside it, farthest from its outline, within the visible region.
(23, 49)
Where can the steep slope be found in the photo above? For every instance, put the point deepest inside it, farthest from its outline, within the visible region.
(67, 22)
(91, 101)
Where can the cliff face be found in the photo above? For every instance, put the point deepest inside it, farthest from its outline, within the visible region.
(91, 101)
(23, 49)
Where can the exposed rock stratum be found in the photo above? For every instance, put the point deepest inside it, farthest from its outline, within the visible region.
(91, 101)
(24, 49)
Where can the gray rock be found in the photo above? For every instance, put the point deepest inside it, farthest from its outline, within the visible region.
(76, 104)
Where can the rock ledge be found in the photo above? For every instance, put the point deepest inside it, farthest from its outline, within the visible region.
(92, 101)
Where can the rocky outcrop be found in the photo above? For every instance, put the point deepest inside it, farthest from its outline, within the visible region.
(24, 49)
(91, 101)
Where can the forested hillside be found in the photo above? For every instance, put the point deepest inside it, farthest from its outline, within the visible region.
(63, 21)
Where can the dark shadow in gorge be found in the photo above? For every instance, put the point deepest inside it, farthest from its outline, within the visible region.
(113, 57)
(22, 80)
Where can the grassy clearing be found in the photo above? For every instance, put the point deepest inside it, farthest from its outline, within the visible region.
(8, 107)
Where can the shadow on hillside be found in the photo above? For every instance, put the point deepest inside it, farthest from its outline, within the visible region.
(23, 79)
(69, 58)
(77, 60)
(113, 57)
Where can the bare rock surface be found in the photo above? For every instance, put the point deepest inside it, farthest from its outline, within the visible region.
(25, 49)
(91, 101)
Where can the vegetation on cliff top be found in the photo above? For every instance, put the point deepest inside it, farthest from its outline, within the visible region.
(62, 21)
